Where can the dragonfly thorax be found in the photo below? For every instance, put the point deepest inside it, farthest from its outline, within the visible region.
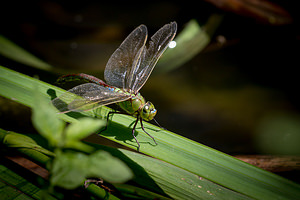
(137, 105)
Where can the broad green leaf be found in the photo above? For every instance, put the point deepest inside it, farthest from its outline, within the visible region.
(129, 191)
(45, 119)
(83, 128)
(43, 160)
(70, 169)
(78, 145)
(102, 164)
(174, 181)
(165, 179)
(196, 158)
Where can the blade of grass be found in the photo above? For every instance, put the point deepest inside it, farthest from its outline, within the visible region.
(189, 42)
(177, 150)
(14, 186)
(16, 53)
(158, 177)
(179, 183)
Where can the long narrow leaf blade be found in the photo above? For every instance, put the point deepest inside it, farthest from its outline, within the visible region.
(14, 52)
(14, 186)
(154, 179)
(179, 151)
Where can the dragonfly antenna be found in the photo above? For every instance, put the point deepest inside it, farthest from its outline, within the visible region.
(158, 124)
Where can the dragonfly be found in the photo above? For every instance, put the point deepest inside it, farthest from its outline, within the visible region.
(126, 71)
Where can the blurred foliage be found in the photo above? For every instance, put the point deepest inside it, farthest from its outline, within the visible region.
(190, 42)
(15, 52)
(69, 169)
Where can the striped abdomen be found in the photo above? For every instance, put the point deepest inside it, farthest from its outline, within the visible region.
(81, 76)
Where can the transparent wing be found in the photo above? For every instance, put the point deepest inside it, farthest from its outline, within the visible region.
(86, 97)
(118, 68)
(149, 56)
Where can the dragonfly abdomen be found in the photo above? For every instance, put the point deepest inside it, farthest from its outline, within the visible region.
(81, 76)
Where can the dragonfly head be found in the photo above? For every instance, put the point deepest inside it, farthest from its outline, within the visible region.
(148, 111)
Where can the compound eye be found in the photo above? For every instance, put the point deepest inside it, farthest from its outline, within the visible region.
(153, 111)
(145, 109)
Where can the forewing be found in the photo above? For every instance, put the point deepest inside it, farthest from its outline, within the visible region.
(86, 97)
(149, 57)
(118, 67)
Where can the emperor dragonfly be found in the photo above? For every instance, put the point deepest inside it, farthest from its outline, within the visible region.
(125, 73)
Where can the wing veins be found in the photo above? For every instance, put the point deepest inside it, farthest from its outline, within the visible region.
(86, 96)
(151, 55)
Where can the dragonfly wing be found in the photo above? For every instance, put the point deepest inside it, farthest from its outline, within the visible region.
(86, 97)
(118, 67)
(149, 57)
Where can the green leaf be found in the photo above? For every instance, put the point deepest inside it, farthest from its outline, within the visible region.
(196, 158)
(45, 119)
(102, 164)
(16, 140)
(43, 160)
(174, 181)
(14, 186)
(189, 42)
(163, 178)
(129, 191)
(34, 152)
(14, 52)
(78, 145)
(70, 169)
(83, 128)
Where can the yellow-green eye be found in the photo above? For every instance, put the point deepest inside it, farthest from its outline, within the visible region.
(148, 111)
(153, 111)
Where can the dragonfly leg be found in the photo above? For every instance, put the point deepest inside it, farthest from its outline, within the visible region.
(107, 119)
(133, 130)
(141, 120)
